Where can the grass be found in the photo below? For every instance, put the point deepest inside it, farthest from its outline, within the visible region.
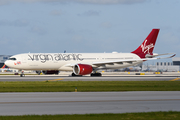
(124, 116)
(89, 86)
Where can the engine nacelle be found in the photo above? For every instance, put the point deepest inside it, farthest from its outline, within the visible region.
(50, 72)
(82, 69)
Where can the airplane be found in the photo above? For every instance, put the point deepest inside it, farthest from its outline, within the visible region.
(86, 63)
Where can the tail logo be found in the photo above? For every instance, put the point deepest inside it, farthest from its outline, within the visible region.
(146, 48)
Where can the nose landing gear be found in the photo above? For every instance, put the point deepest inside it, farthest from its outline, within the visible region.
(22, 74)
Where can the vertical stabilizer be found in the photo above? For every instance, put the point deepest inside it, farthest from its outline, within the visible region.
(148, 45)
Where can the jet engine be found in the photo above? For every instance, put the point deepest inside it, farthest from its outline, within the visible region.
(82, 69)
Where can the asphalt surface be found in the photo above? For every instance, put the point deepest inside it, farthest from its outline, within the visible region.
(86, 78)
(88, 102)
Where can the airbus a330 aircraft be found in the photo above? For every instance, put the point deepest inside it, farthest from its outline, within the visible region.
(86, 63)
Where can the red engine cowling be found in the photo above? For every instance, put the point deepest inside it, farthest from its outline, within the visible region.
(51, 72)
(82, 69)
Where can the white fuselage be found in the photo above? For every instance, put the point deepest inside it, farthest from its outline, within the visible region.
(66, 61)
(85, 63)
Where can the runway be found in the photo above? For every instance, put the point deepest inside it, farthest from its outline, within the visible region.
(88, 102)
(86, 78)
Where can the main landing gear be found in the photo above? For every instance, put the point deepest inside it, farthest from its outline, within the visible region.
(92, 75)
(74, 75)
(96, 74)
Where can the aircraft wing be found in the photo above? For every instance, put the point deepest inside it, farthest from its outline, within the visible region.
(131, 60)
(155, 55)
(102, 63)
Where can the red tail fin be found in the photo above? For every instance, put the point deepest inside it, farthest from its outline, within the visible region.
(148, 45)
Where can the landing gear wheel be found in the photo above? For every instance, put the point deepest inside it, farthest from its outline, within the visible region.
(96, 74)
(74, 75)
(22, 75)
(38, 72)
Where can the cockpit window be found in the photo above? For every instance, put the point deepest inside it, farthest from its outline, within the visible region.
(12, 59)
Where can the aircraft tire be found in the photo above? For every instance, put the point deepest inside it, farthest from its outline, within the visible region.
(22, 75)
(96, 74)
(74, 75)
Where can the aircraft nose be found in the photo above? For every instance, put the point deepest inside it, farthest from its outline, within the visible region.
(7, 63)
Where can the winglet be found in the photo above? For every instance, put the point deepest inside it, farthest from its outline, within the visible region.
(148, 45)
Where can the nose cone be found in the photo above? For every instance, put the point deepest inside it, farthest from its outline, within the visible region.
(8, 63)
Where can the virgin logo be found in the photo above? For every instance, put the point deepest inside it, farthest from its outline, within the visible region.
(17, 63)
(146, 48)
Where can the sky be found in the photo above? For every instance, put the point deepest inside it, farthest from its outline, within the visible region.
(86, 26)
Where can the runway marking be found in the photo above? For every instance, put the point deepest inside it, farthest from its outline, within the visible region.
(175, 79)
(89, 101)
(56, 79)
